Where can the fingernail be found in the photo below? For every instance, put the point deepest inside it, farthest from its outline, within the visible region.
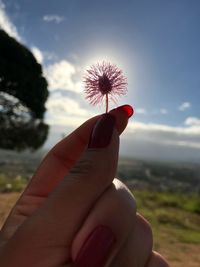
(96, 249)
(102, 132)
(127, 109)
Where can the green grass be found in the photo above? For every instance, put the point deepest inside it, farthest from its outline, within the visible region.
(187, 202)
(12, 184)
(173, 215)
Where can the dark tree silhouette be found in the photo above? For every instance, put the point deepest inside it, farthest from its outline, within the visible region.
(23, 93)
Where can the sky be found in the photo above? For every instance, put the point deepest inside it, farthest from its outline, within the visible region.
(156, 44)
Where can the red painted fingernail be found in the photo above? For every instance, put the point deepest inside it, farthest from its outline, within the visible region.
(128, 109)
(96, 249)
(102, 131)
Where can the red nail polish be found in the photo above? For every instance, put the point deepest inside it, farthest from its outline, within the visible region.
(102, 131)
(96, 249)
(128, 109)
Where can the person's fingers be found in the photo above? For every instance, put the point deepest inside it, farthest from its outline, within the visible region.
(64, 154)
(114, 212)
(54, 167)
(157, 260)
(138, 248)
(62, 214)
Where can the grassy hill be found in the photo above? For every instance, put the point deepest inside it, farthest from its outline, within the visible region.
(167, 194)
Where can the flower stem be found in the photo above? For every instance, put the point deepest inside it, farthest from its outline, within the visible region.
(106, 103)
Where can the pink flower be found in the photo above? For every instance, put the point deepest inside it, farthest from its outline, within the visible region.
(104, 80)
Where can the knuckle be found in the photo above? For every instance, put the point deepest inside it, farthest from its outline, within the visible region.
(82, 167)
(125, 196)
(91, 167)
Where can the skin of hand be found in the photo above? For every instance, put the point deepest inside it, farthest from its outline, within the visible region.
(74, 213)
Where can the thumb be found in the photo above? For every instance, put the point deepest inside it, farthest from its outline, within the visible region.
(97, 166)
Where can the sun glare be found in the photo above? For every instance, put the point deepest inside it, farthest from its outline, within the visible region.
(105, 55)
(116, 57)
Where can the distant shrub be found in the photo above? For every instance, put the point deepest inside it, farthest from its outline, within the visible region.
(14, 184)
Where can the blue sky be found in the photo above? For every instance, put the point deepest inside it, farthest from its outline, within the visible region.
(155, 42)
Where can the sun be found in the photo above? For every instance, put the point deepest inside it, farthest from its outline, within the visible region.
(104, 55)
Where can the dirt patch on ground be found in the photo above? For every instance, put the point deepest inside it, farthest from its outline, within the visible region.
(7, 200)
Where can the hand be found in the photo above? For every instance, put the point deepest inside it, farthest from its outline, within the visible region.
(74, 213)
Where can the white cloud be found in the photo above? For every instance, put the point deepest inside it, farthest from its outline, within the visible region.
(53, 18)
(60, 104)
(141, 140)
(140, 111)
(192, 121)
(165, 134)
(6, 23)
(161, 142)
(163, 111)
(61, 75)
(184, 106)
(63, 110)
(155, 112)
(38, 54)
(43, 56)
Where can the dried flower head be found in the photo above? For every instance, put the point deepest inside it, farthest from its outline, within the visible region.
(104, 80)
